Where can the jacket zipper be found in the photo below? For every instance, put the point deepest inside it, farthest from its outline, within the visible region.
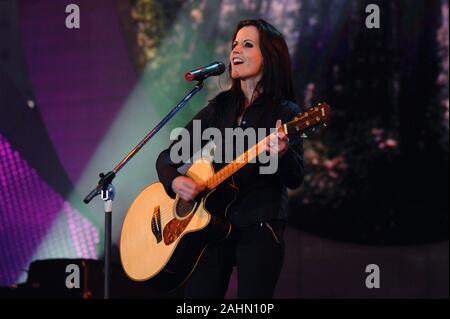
(272, 231)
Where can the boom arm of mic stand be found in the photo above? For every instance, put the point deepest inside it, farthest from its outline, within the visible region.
(105, 180)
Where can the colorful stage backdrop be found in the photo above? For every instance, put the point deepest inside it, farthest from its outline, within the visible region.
(73, 102)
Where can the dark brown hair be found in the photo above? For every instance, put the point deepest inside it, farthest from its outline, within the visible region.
(276, 81)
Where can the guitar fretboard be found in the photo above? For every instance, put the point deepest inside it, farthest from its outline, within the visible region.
(302, 121)
(238, 163)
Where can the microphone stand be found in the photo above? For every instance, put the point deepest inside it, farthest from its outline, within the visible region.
(107, 191)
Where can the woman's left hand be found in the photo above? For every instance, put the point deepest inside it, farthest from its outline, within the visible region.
(278, 144)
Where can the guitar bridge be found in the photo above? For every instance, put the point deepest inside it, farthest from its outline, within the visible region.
(156, 224)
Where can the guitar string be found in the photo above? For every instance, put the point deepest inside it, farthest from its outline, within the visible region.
(165, 212)
(286, 127)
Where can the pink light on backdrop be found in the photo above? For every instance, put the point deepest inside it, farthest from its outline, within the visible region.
(29, 208)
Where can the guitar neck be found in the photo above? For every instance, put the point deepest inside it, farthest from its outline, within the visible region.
(302, 121)
(239, 162)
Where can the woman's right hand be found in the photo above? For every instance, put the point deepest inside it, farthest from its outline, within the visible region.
(186, 188)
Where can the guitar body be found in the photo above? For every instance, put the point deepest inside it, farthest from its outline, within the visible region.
(162, 238)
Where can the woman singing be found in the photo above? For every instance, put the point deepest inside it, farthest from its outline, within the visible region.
(261, 96)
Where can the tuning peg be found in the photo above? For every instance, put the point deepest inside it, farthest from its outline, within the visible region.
(324, 124)
(303, 136)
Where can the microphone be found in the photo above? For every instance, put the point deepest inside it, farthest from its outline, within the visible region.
(216, 68)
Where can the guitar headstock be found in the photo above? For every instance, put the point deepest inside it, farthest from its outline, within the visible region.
(308, 119)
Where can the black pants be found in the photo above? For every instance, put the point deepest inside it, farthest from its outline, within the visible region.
(258, 253)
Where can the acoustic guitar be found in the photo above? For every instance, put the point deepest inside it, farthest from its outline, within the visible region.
(162, 238)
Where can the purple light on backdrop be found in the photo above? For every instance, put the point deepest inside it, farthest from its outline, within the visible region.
(29, 208)
(84, 235)
(81, 77)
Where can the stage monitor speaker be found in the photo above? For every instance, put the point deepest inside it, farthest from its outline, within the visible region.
(53, 278)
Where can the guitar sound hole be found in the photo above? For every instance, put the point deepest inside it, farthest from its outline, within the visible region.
(183, 208)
